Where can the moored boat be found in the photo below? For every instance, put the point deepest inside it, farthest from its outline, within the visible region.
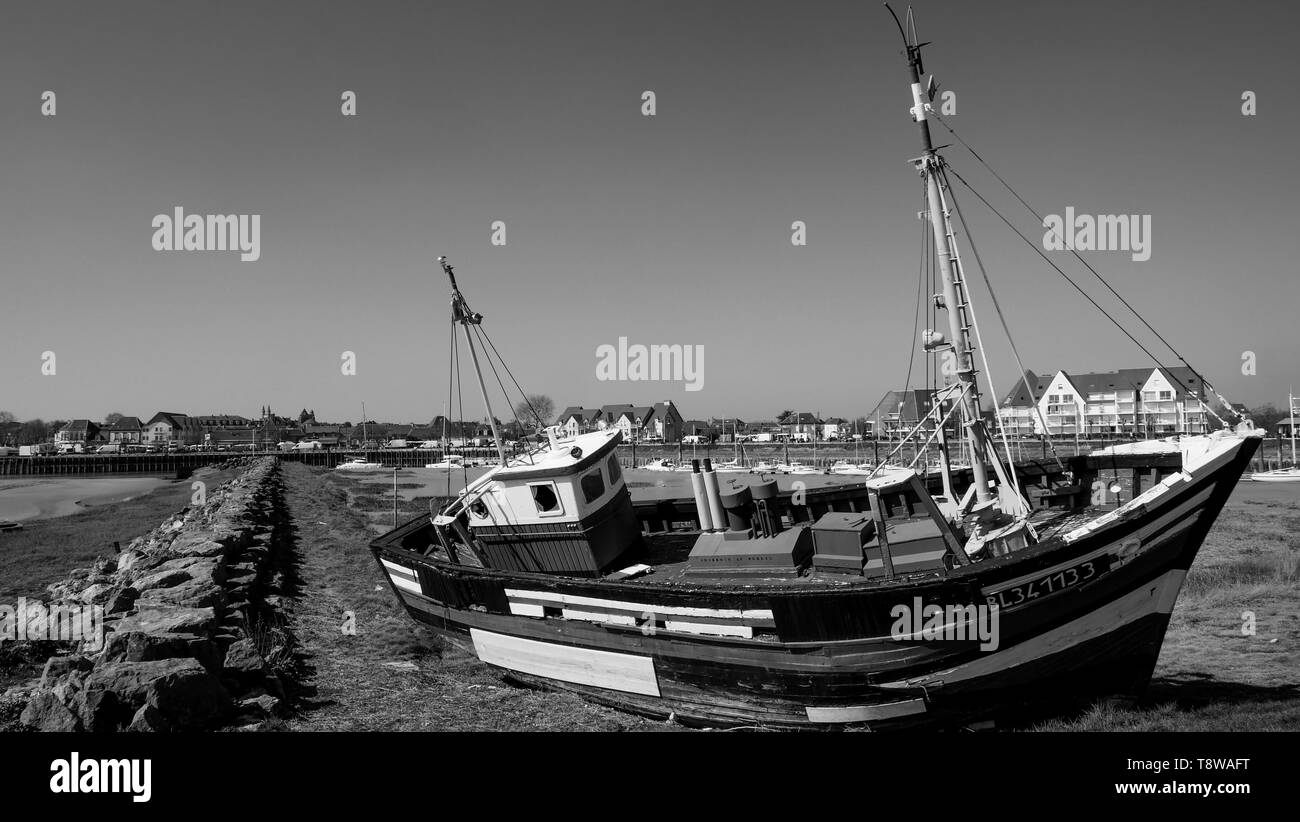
(359, 464)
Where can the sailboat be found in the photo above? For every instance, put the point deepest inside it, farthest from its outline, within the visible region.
(872, 616)
(1292, 473)
(360, 463)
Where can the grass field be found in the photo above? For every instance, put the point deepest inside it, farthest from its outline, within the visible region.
(393, 674)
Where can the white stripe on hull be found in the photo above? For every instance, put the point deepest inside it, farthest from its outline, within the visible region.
(402, 577)
(406, 584)
(581, 666)
(638, 607)
(863, 713)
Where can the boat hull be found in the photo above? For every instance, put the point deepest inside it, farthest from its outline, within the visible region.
(833, 655)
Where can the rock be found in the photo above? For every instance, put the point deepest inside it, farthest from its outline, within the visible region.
(262, 706)
(147, 720)
(200, 569)
(98, 710)
(58, 667)
(137, 561)
(192, 594)
(136, 646)
(160, 578)
(190, 700)
(46, 712)
(240, 569)
(96, 594)
(122, 600)
(201, 547)
(244, 664)
(102, 566)
(158, 619)
(131, 680)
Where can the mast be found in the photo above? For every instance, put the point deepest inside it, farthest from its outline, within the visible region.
(1291, 414)
(930, 167)
(460, 312)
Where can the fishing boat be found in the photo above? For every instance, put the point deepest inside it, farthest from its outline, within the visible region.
(1292, 472)
(659, 465)
(765, 467)
(359, 464)
(904, 608)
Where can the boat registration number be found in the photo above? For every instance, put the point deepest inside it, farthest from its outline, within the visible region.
(1050, 583)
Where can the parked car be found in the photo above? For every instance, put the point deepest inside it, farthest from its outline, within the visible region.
(109, 448)
(6, 451)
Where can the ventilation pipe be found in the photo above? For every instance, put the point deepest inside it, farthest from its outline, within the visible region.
(702, 509)
(715, 498)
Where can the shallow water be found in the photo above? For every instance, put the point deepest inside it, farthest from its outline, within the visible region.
(30, 498)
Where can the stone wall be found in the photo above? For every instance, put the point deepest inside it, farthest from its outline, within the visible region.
(194, 633)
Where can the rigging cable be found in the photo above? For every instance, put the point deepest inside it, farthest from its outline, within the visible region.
(1067, 277)
(1103, 280)
(979, 340)
(540, 422)
(483, 338)
(451, 365)
(997, 308)
(916, 316)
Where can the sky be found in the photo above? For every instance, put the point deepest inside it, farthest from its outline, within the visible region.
(672, 229)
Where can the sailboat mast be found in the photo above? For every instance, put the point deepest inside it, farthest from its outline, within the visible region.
(929, 165)
(1291, 414)
(461, 313)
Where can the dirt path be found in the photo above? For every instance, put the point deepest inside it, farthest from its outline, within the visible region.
(394, 674)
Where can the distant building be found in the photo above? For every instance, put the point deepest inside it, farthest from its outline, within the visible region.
(898, 412)
(1286, 427)
(800, 424)
(1145, 403)
(77, 432)
(699, 428)
(125, 430)
(172, 427)
(836, 428)
(637, 422)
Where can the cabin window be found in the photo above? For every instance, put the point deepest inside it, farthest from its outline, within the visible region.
(545, 498)
(592, 485)
(615, 472)
(478, 509)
